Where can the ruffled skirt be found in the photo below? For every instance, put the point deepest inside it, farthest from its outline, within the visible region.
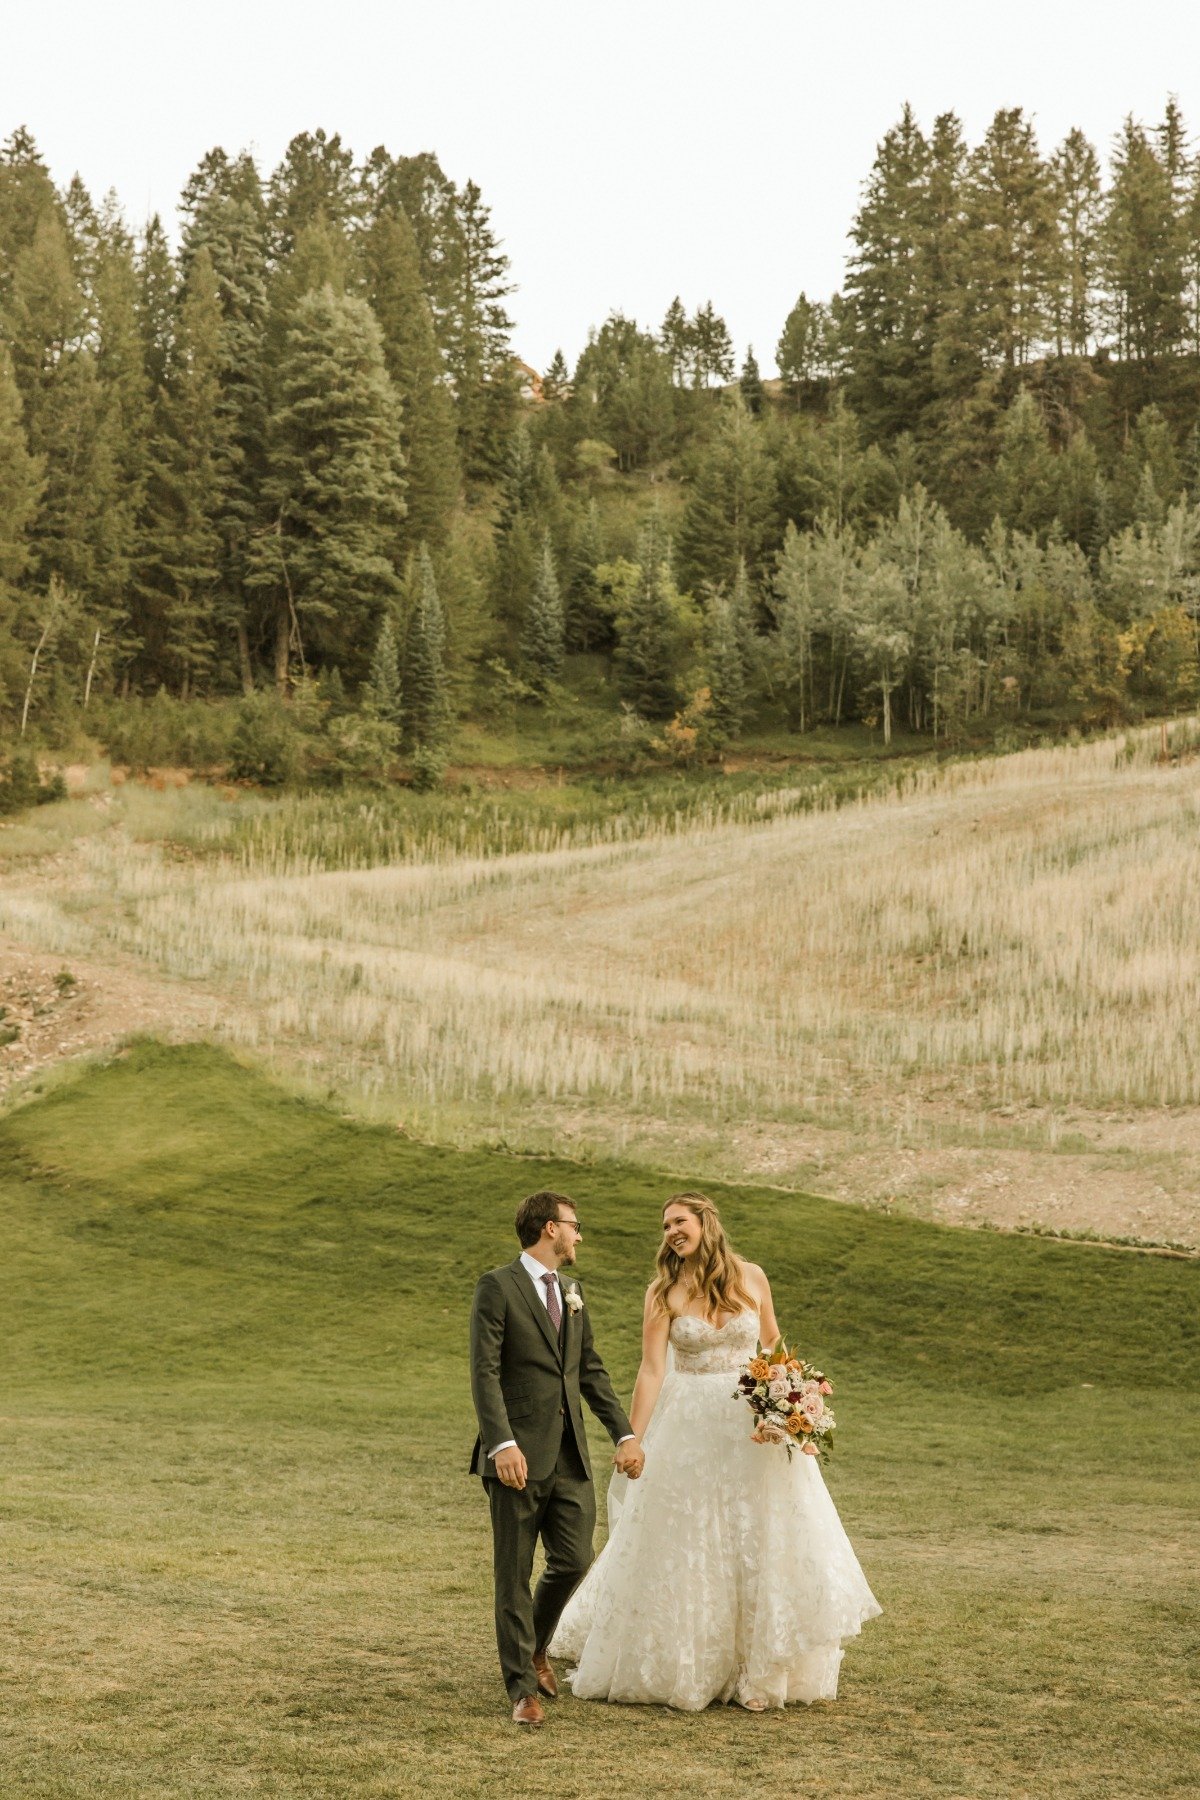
(727, 1574)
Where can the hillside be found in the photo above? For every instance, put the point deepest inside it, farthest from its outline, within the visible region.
(242, 1554)
(971, 996)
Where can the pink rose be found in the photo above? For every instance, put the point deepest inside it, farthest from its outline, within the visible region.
(772, 1432)
(809, 1387)
(826, 1388)
(812, 1406)
(780, 1387)
(810, 1450)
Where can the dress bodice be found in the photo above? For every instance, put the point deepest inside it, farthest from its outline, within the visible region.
(704, 1349)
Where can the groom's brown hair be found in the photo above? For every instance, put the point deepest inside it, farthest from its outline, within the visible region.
(536, 1212)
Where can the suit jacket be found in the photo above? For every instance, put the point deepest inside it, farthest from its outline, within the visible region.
(527, 1381)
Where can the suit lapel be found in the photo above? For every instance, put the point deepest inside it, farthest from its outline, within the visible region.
(525, 1288)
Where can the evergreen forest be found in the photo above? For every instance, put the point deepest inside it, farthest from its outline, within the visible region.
(277, 494)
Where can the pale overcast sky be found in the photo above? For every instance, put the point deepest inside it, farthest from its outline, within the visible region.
(629, 151)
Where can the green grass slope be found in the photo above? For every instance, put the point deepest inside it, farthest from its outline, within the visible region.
(242, 1555)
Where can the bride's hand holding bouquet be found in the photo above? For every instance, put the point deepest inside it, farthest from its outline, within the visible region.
(788, 1399)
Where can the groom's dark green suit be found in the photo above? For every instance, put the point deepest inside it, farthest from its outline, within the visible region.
(528, 1383)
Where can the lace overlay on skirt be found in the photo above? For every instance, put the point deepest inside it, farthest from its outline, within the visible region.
(727, 1574)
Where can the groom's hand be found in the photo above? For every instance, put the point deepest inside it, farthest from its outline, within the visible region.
(630, 1459)
(511, 1467)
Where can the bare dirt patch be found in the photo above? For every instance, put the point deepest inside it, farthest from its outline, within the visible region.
(56, 1008)
(1127, 1180)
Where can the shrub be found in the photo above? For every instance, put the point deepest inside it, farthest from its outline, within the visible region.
(143, 733)
(357, 747)
(267, 747)
(22, 784)
(428, 768)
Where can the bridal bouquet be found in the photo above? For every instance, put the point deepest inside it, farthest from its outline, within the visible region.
(788, 1399)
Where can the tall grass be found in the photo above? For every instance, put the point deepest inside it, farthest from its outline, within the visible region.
(1016, 931)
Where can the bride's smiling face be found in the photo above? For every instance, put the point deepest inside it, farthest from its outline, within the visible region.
(681, 1230)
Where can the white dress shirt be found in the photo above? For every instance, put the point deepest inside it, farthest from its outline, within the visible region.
(536, 1271)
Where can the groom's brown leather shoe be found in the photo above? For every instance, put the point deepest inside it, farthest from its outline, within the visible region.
(528, 1711)
(547, 1685)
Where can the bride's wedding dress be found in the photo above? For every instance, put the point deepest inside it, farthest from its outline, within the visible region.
(727, 1574)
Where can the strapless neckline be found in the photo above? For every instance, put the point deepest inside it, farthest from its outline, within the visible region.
(702, 1348)
(696, 1319)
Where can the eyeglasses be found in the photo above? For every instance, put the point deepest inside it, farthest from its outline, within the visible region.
(575, 1224)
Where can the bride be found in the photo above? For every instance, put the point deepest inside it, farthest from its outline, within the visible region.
(727, 1574)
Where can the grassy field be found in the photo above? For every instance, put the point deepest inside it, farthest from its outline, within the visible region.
(242, 1555)
(972, 994)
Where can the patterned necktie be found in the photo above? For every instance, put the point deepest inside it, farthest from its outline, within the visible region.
(552, 1305)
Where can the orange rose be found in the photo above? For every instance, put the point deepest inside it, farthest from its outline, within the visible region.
(805, 1424)
(760, 1368)
(796, 1424)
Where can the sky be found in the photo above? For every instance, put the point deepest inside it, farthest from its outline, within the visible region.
(629, 151)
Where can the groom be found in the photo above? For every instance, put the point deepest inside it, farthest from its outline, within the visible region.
(532, 1358)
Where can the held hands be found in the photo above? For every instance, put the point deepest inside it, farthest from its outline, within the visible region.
(511, 1467)
(630, 1458)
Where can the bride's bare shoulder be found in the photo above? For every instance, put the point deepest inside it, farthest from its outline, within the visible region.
(752, 1275)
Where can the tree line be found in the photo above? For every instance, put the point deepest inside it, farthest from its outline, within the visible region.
(294, 455)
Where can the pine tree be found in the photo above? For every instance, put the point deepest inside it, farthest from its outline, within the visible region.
(730, 510)
(179, 558)
(711, 347)
(417, 189)
(1078, 480)
(1143, 253)
(83, 230)
(1027, 482)
(750, 383)
(727, 674)
(225, 214)
(587, 625)
(886, 289)
(427, 701)
(157, 278)
(556, 382)
(334, 488)
(1007, 246)
(315, 180)
(518, 479)
(803, 348)
(1075, 168)
(542, 640)
(21, 481)
(647, 641)
(798, 618)
(622, 393)
(1150, 450)
(675, 337)
(52, 342)
(383, 686)
(391, 265)
(27, 196)
(478, 330)
(125, 428)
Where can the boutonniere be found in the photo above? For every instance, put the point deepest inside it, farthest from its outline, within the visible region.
(574, 1299)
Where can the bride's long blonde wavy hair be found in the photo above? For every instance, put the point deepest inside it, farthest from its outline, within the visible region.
(716, 1274)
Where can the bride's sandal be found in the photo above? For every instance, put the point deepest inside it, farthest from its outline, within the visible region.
(754, 1706)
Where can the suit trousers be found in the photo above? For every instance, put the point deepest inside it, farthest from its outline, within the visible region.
(561, 1510)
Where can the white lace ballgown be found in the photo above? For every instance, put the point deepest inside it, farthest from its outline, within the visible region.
(727, 1574)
